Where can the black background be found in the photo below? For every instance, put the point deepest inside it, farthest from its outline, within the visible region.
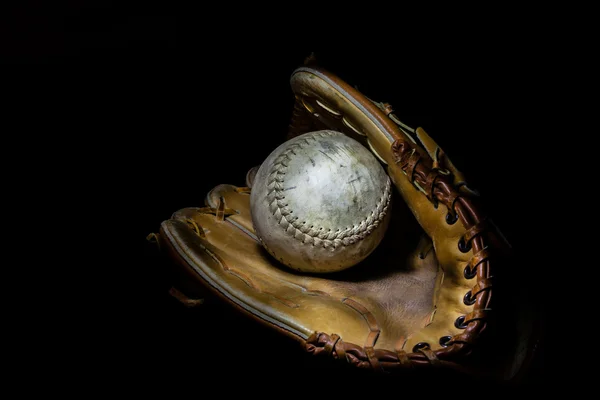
(146, 108)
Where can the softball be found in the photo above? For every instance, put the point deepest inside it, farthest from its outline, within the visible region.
(320, 202)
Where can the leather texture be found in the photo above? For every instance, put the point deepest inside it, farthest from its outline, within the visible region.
(422, 298)
(396, 299)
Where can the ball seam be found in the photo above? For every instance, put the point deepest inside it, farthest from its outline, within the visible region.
(309, 234)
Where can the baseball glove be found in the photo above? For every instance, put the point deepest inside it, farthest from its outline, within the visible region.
(422, 299)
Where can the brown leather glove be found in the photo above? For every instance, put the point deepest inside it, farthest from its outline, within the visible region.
(423, 298)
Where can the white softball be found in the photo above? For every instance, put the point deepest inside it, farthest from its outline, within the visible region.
(320, 202)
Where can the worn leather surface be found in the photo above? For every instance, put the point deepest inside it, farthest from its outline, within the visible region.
(365, 122)
(404, 304)
(394, 285)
